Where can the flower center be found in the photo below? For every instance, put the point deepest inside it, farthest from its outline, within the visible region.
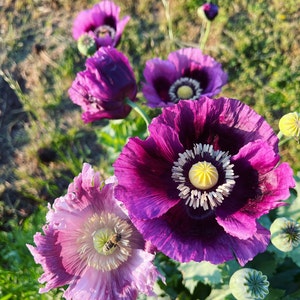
(205, 176)
(185, 92)
(185, 88)
(105, 30)
(257, 284)
(105, 241)
(292, 231)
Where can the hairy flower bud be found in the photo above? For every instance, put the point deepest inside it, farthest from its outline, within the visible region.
(289, 124)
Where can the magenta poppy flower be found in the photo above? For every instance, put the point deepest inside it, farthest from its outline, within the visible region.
(90, 244)
(102, 88)
(197, 185)
(187, 74)
(210, 10)
(102, 22)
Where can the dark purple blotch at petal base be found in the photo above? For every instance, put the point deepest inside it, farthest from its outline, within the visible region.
(148, 191)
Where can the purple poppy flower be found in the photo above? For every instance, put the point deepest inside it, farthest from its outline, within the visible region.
(210, 10)
(101, 22)
(101, 90)
(206, 173)
(90, 244)
(186, 74)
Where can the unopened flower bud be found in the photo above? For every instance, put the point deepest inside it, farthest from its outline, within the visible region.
(249, 284)
(289, 124)
(285, 234)
(86, 45)
(208, 11)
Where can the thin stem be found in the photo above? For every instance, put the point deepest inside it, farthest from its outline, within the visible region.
(281, 140)
(139, 110)
(279, 135)
(284, 141)
(166, 4)
(203, 39)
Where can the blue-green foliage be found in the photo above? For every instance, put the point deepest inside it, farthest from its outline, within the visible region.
(256, 42)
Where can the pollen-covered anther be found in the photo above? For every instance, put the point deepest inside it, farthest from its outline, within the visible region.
(197, 172)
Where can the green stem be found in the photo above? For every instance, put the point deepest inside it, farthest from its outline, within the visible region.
(282, 141)
(205, 37)
(139, 110)
(166, 4)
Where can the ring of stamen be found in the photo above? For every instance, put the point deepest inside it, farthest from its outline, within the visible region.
(185, 88)
(104, 30)
(209, 196)
(97, 245)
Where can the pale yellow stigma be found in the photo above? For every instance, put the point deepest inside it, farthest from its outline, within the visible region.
(100, 237)
(185, 92)
(203, 175)
(289, 124)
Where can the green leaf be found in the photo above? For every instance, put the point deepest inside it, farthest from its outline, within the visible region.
(292, 210)
(201, 291)
(294, 296)
(221, 294)
(275, 294)
(264, 262)
(193, 272)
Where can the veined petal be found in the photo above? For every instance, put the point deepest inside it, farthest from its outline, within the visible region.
(218, 222)
(164, 77)
(90, 244)
(246, 249)
(154, 185)
(48, 255)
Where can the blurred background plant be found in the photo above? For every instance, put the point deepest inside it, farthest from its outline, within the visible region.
(44, 142)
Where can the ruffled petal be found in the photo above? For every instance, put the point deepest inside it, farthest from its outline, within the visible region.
(190, 62)
(48, 253)
(227, 124)
(155, 194)
(246, 249)
(252, 161)
(82, 23)
(238, 214)
(136, 274)
(184, 239)
(105, 13)
(159, 75)
(120, 28)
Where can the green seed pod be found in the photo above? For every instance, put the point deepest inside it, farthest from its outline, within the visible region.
(249, 284)
(86, 45)
(285, 234)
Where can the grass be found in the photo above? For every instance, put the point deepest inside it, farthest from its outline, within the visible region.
(42, 137)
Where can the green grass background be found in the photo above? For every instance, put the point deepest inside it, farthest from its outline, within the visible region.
(43, 140)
